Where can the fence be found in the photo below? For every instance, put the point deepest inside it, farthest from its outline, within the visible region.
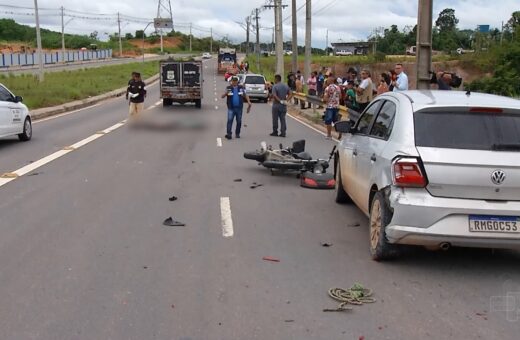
(30, 59)
(346, 113)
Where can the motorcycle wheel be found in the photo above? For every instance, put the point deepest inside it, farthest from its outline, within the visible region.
(255, 155)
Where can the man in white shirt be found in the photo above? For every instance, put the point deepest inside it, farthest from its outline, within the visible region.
(401, 83)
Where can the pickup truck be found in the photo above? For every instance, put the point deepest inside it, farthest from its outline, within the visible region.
(181, 82)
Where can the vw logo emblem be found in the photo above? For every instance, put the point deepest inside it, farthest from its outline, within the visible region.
(498, 177)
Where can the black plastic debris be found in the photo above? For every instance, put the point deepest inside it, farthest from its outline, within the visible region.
(255, 185)
(326, 245)
(170, 222)
(173, 198)
(35, 174)
(237, 180)
(357, 224)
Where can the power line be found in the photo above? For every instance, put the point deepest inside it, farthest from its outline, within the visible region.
(325, 7)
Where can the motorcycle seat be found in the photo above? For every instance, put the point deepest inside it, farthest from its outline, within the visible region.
(303, 155)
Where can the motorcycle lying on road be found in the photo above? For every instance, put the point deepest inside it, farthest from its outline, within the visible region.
(311, 172)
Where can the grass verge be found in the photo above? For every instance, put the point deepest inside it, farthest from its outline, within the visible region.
(66, 86)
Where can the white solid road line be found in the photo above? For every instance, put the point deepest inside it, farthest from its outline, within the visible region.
(310, 127)
(219, 142)
(6, 178)
(227, 220)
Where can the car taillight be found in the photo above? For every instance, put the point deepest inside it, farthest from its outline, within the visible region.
(407, 172)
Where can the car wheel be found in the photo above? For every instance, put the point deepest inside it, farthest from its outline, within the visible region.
(27, 130)
(167, 102)
(340, 194)
(198, 103)
(380, 217)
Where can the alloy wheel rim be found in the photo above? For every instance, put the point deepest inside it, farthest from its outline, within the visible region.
(375, 224)
(28, 128)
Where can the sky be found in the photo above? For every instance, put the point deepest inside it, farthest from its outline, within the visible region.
(345, 20)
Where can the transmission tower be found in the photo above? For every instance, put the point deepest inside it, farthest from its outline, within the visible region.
(164, 10)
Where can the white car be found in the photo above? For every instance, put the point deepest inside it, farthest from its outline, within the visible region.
(15, 118)
(206, 55)
(434, 169)
(344, 53)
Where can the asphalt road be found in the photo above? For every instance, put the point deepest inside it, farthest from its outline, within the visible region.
(84, 254)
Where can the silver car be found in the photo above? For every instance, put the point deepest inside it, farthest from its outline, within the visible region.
(256, 87)
(434, 168)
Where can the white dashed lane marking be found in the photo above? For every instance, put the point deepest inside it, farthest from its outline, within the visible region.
(219, 142)
(226, 217)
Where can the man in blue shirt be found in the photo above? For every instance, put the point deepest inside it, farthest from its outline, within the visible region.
(401, 83)
(235, 103)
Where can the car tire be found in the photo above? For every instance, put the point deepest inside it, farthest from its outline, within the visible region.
(255, 155)
(198, 103)
(27, 130)
(167, 102)
(340, 194)
(380, 217)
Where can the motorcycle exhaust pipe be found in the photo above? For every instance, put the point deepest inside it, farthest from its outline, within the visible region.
(445, 246)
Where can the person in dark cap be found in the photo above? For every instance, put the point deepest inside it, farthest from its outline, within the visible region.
(136, 91)
(236, 94)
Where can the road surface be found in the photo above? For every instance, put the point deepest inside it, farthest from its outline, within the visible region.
(84, 253)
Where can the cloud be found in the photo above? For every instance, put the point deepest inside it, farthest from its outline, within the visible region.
(347, 20)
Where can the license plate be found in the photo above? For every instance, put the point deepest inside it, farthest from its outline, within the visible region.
(494, 224)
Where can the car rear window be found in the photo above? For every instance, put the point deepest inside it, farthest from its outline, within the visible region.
(255, 80)
(468, 130)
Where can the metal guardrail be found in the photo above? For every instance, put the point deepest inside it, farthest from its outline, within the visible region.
(346, 112)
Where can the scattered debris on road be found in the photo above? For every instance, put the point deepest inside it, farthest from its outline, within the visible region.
(35, 174)
(145, 267)
(289, 320)
(355, 295)
(357, 224)
(237, 180)
(256, 185)
(269, 258)
(173, 198)
(170, 222)
(326, 245)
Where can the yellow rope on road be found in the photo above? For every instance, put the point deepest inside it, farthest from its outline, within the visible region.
(355, 295)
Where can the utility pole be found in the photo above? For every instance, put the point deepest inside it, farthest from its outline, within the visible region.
(190, 35)
(279, 35)
(327, 43)
(294, 65)
(248, 25)
(211, 40)
(424, 44)
(39, 43)
(308, 47)
(257, 48)
(119, 34)
(62, 35)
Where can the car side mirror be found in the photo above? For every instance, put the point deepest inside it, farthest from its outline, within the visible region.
(18, 99)
(345, 126)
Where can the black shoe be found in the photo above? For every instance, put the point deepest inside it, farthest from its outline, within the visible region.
(281, 135)
(237, 136)
(228, 136)
(274, 134)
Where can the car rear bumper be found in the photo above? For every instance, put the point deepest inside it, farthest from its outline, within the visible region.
(421, 219)
(257, 95)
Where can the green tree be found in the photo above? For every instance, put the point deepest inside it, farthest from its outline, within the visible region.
(447, 21)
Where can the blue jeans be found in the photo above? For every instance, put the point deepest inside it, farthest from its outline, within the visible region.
(331, 115)
(279, 111)
(232, 113)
